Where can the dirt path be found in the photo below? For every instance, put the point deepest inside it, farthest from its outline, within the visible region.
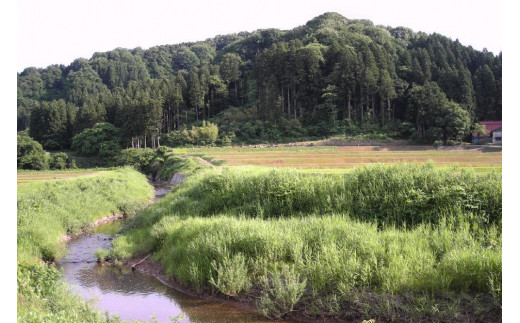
(205, 162)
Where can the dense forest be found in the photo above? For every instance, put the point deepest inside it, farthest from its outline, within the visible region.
(331, 76)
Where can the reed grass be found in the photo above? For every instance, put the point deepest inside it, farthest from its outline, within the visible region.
(315, 243)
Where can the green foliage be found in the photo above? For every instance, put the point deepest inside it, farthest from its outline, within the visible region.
(280, 293)
(204, 135)
(103, 254)
(100, 140)
(287, 259)
(402, 195)
(62, 161)
(140, 159)
(231, 275)
(30, 154)
(436, 117)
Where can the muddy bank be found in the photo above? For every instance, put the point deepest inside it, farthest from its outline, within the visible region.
(103, 220)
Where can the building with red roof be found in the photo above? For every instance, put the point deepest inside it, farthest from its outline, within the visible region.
(494, 129)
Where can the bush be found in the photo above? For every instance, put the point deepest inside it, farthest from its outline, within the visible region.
(62, 161)
(52, 145)
(178, 138)
(138, 158)
(100, 140)
(280, 293)
(231, 275)
(30, 154)
(437, 143)
(205, 135)
(451, 143)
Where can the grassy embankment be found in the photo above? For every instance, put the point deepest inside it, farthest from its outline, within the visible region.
(388, 242)
(334, 159)
(47, 210)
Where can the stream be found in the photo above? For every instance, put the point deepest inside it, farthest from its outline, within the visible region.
(132, 295)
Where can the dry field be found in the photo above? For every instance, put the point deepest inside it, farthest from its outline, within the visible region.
(25, 177)
(350, 156)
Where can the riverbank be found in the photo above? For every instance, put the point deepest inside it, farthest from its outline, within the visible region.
(50, 210)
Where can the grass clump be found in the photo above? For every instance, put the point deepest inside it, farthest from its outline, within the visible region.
(280, 293)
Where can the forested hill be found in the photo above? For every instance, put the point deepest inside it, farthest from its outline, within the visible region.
(332, 75)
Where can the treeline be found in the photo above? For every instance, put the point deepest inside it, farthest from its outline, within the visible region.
(332, 75)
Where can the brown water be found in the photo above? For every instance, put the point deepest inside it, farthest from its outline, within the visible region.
(135, 296)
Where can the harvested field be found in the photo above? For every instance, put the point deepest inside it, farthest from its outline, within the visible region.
(25, 177)
(351, 156)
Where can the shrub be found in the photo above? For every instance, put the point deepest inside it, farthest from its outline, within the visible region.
(52, 145)
(100, 140)
(437, 143)
(103, 254)
(138, 158)
(205, 135)
(280, 293)
(451, 142)
(178, 138)
(402, 195)
(62, 161)
(231, 275)
(31, 154)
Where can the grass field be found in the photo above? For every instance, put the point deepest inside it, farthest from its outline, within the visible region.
(334, 158)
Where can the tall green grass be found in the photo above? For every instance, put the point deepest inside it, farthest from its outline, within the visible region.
(295, 240)
(402, 195)
(48, 211)
(333, 253)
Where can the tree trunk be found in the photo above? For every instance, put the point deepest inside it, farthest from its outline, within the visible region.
(388, 106)
(212, 99)
(178, 118)
(349, 106)
(294, 103)
(382, 107)
(289, 102)
(158, 143)
(373, 107)
(144, 141)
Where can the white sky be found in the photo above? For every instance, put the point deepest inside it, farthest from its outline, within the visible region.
(59, 31)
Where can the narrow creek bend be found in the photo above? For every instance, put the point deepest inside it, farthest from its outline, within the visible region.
(132, 295)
